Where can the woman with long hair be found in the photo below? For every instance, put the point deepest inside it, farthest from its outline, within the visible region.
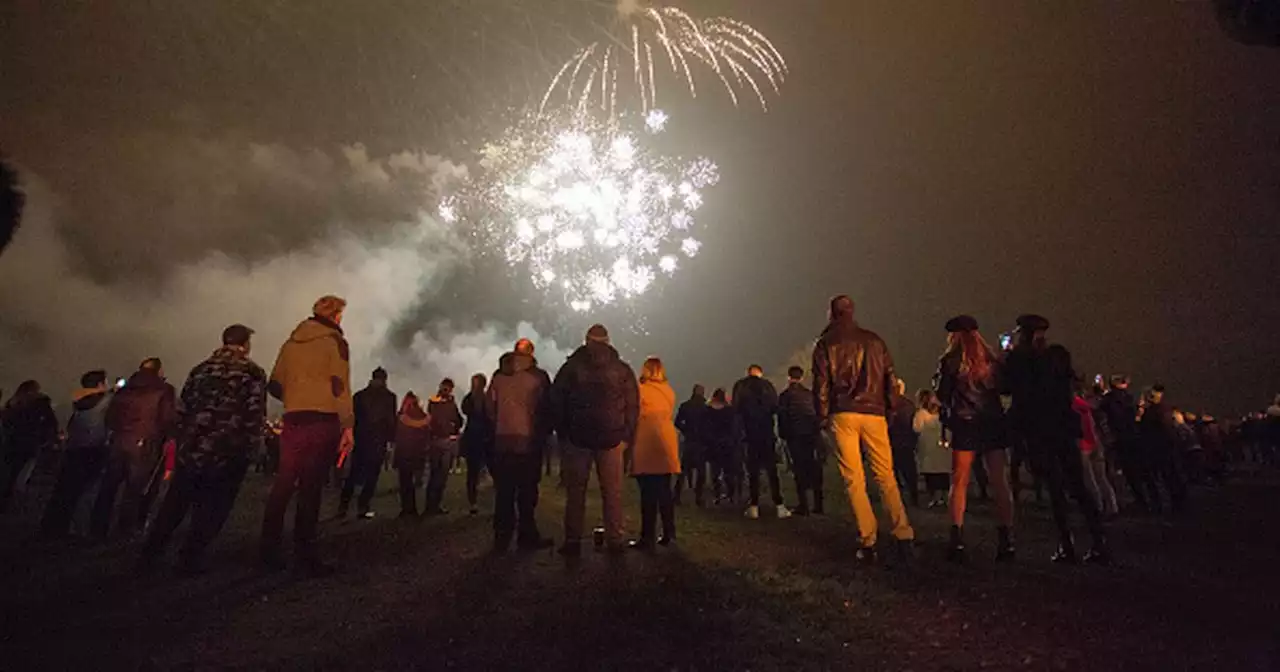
(413, 437)
(968, 387)
(655, 456)
(932, 450)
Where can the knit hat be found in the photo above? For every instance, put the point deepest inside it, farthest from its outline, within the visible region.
(328, 306)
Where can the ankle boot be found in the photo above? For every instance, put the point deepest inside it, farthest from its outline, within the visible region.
(956, 551)
(1005, 550)
(1066, 553)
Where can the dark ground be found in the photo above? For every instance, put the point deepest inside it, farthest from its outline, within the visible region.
(1202, 592)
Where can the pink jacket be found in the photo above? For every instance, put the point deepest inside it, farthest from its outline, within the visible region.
(1088, 432)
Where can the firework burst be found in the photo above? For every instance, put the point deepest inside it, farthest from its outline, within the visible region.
(586, 207)
(649, 39)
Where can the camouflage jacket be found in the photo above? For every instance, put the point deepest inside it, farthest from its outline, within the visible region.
(224, 406)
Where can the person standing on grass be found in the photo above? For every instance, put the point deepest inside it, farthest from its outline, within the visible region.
(853, 380)
(312, 377)
(1093, 456)
(477, 438)
(655, 457)
(798, 426)
(446, 424)
(932, 449)
(85, 457)
(412, 443)
(596, 404)
(375, 429)
(756, 401)
(519, 402)
(141, 418)
(691, 420)
(1039, 378)
(902, 438)
(224, 406)
(968, 386)
(724, 448)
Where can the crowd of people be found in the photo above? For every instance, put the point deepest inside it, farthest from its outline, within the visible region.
(989, 413)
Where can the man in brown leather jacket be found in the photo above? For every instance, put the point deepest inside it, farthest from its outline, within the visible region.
(852, 384)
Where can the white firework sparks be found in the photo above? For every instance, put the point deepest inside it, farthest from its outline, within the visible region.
(590, 210)
(739, 56)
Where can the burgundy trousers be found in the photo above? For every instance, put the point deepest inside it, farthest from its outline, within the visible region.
(308, 449)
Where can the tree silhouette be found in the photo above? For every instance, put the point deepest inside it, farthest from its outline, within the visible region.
(11, 202)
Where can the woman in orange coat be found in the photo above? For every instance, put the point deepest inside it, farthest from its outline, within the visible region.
(655, 457)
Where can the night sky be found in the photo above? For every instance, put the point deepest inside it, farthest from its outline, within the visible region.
(1114, 166)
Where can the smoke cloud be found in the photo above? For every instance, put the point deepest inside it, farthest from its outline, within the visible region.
(193, 235)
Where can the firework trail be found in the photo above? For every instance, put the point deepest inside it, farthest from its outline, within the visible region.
(649, 39)
(585, 206)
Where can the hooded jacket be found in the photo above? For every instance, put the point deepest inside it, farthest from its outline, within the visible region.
(313, 372)
(852, 371)
(519, 402)
(596, 398)
(145, 410)
(87, 427)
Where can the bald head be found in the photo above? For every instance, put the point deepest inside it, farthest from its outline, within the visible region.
(524, 346)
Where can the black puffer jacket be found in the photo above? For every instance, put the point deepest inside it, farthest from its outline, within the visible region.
(796, 416)
(756, 401)
(691, 420)
(963, 398)
(596, 398)
(376, 410)
(852, 371)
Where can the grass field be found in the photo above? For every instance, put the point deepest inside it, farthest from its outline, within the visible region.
(1202, 592)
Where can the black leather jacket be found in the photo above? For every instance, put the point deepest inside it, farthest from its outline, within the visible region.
(852, 371)
(964, 399)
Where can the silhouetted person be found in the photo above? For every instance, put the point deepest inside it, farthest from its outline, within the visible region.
(413, 441)
(224, 406)
(85, 457)
(853, 377)
(312, 377)
(446, 424)
(1121, 410)
(1158, 437)
(798, 426)
(596, 402)
(1040, 379)
(519, 401)
(29, 427)
(477, 438)
(756, 401)
(141, 417)
(691, 420)
(375, 429)
(902, 438)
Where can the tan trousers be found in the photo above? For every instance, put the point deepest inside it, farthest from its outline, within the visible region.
(575, 467)
(853, 432)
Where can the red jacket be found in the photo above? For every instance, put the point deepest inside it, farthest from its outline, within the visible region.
(1088, 431)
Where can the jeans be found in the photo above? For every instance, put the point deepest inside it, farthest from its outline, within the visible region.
(761, 456)
(695, 474)
(515, 482)
(807, 467)
(576, 467)
(408, 490)
(440, 463)
(131, 471)
(1097, 480)
(476, 462)
(855, 432)
(308, 450)
(79, 467)
(365, 469)
(904, 468)
(209, 494)
(655, 500)
(1057, 460)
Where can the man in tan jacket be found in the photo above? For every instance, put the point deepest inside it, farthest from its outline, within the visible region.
(312, 377)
